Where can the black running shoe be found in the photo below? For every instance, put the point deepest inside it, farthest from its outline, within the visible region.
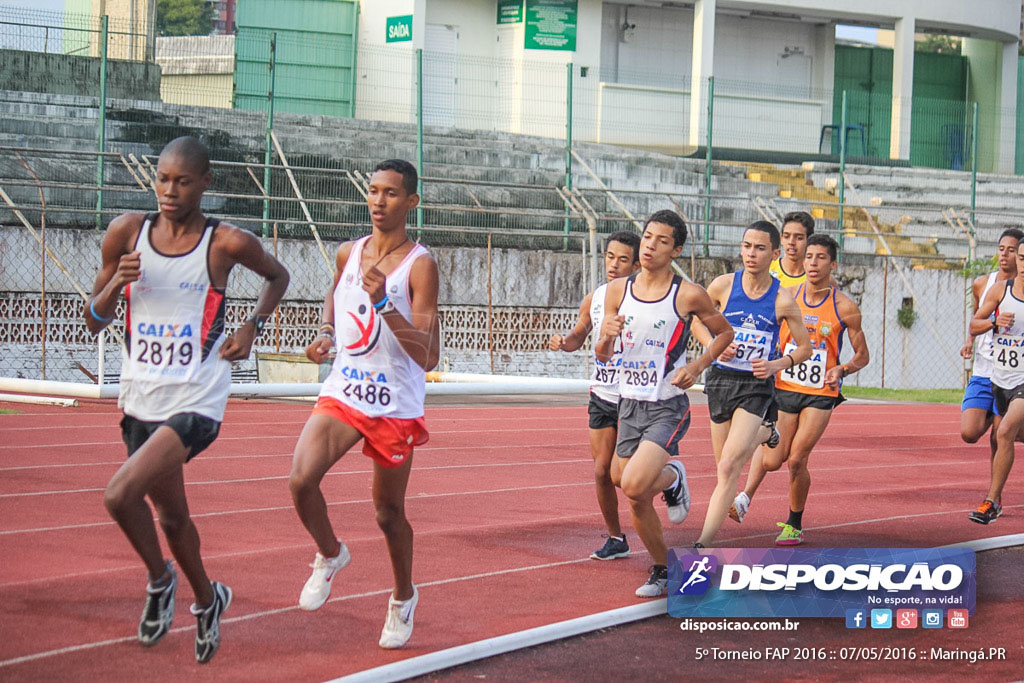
(612, 549)
(208, 623)
(655, 584)
(988, 512)
(158, 613)
(774, 438)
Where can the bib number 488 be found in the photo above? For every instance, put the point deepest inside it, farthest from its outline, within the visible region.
(1008, 358)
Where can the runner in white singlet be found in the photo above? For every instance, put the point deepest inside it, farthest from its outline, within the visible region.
(1002, 313)
(978, 409)
(621, 258)
(649, 315)
(176, 372)
(380, 316)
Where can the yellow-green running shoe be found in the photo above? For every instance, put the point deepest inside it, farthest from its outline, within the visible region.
(789, 535)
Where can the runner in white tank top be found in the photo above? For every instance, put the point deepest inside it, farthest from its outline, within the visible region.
(1002, 312)
(978, 409)
(380, 316)
(176, 373)
(620, 260)
(649, 314)
(174, 329)
(371, 372)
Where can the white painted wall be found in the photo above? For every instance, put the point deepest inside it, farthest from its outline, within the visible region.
(386, 72)
(763, 100)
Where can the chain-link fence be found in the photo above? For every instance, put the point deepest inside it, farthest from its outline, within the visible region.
(499, 303)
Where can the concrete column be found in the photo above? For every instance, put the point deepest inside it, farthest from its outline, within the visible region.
(1007, 112)
(902, 88)
(703, 68)
(823, 76)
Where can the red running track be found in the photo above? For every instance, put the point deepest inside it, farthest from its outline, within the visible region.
(501, 500)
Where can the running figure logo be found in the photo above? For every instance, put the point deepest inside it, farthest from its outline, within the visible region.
(698, 568)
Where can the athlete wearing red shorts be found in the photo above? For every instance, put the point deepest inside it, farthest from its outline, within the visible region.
(381, 319)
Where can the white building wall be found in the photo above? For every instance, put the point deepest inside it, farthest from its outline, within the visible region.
(385, 72)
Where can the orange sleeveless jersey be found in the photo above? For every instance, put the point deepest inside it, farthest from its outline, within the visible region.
(826, 330)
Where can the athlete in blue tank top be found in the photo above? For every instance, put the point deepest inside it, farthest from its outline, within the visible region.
(740, 384)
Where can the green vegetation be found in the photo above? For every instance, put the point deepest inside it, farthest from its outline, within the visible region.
(184, 17)
(5, 411)
(911, 395)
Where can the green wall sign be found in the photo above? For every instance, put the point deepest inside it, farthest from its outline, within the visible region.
(399, 29)
(510, 11)
(551, 25)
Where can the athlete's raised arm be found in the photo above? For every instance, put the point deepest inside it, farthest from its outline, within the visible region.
(120, 266)
(321, 347)
(849, 311)
(612, 324)
(983, 321)
(574, 340)
(696, 300)
(420, 337)
(234, 246)
(786, 309)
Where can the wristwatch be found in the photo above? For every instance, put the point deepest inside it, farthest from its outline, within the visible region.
(257, 323)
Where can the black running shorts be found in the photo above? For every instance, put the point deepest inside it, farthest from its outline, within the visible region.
(603, 414)
(196, 431)
(1005, 396)
(794, 401)
(661, 422)
(728, 390)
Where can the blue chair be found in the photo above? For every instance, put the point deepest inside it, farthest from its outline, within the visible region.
(833, 129)
(953, 145)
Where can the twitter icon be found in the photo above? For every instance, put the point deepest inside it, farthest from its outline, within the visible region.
(881, 618)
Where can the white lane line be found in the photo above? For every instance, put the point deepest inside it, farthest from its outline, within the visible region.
(308, 546)
(282, 610)
(283, 477)
(930, 464)
(278, 508)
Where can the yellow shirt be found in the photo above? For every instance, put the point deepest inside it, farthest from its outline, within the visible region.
(784, 278)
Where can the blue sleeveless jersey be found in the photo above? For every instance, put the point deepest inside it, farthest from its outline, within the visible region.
(754, 323)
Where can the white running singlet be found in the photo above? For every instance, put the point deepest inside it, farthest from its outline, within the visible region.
(653, 345)
(983, 342)
(372, 373)
(604, 381)
(1008, 344)
(174, 328)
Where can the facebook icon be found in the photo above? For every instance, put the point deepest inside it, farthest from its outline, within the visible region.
(856, 618)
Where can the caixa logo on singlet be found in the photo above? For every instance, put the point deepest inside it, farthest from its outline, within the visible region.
(359, 330)
(192, 286)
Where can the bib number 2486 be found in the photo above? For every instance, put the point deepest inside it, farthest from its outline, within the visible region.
(372, 394)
